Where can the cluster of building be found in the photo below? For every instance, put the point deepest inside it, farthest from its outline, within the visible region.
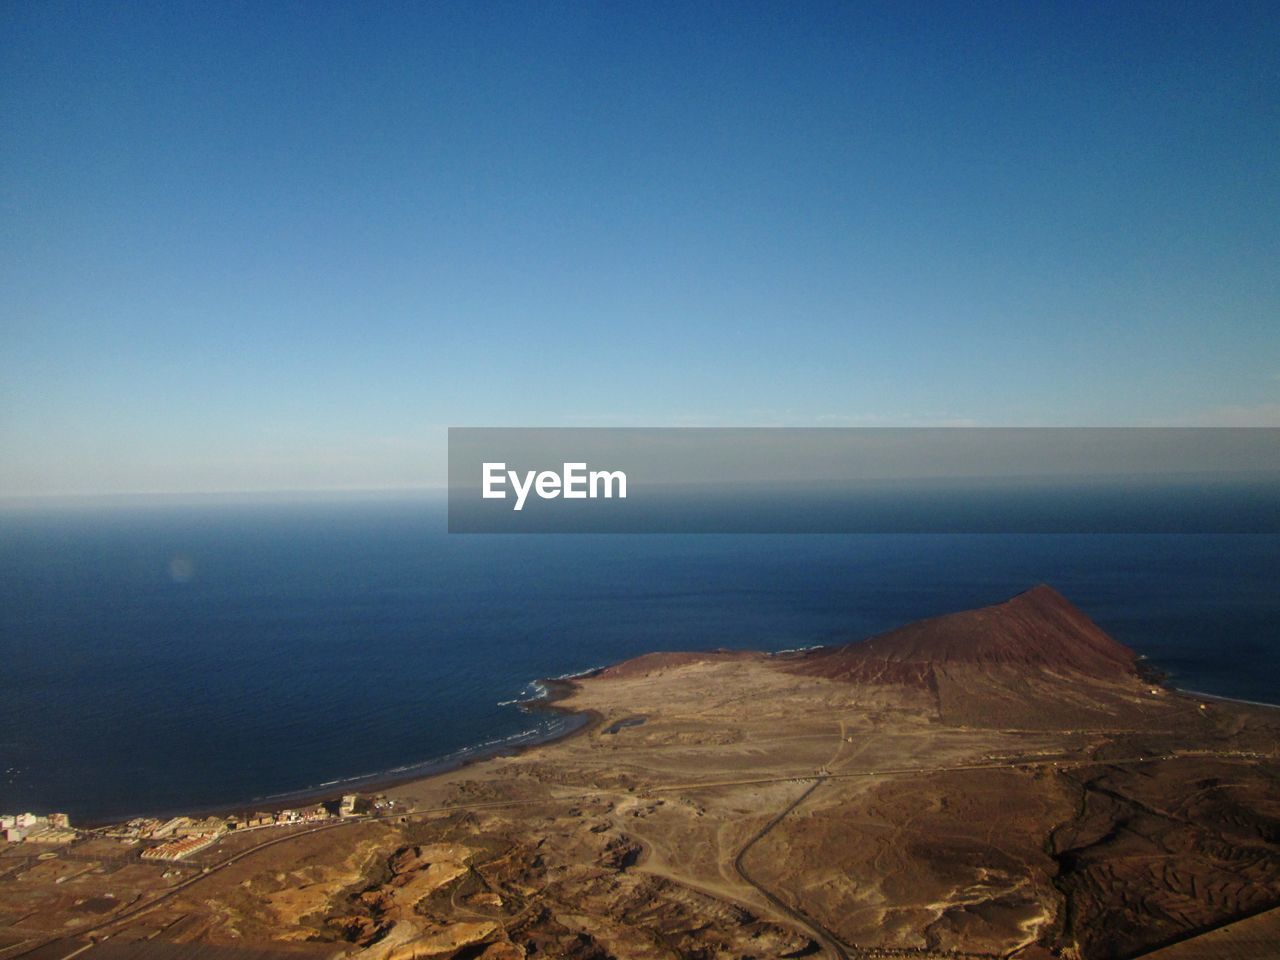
(188, 835)
(312, 814)
(182, 836)
(33, 828)
(177, 849)
(149, 828)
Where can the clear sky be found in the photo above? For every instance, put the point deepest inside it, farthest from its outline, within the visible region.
(284, 246)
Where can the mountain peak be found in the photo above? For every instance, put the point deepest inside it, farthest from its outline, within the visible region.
(1038, 630)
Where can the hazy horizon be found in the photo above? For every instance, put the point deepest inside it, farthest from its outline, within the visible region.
(285, 248)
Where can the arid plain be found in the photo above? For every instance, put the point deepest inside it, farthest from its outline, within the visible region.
(997, 783)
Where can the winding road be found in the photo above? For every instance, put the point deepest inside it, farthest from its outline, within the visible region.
(820, 933)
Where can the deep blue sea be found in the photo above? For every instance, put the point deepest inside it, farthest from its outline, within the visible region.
(164, 658)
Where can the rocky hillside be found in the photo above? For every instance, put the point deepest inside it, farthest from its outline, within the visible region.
(1038, 631)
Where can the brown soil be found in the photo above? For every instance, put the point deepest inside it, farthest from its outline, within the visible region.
(997, 783)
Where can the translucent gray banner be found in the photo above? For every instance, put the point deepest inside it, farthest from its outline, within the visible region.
(783, 480)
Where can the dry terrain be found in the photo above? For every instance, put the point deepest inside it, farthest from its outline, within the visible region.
(1000, 783)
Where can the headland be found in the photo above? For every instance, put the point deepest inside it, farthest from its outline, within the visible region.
(1002, 782)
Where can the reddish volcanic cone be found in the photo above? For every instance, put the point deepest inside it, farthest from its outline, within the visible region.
(1038, 630)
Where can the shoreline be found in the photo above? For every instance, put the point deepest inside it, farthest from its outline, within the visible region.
(554, 690)
(1200, 694)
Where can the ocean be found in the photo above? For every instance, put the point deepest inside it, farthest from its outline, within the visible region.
(165, 658)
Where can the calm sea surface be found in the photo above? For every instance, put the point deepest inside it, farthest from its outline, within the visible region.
(166, 658)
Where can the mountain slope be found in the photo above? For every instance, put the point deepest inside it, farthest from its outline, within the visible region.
(1037, 631)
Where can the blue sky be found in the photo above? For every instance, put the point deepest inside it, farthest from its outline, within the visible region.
(278, 246)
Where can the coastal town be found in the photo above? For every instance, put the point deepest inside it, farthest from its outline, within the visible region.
(176, 838)
(54, 828)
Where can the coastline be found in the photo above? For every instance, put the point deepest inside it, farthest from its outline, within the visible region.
(544, 843)
(1201, 695)
(556, 689)
(552, 691)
